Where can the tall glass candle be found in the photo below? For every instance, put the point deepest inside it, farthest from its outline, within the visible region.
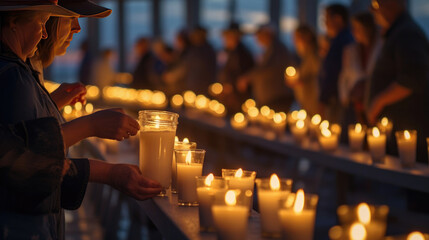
(185, 144)
(328, 141)
(157, 132)
(377, 144)
(189, 165)
(243, 180)
(407, 144)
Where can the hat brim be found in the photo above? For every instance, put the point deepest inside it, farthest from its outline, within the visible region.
(86, 9)
(54, 10)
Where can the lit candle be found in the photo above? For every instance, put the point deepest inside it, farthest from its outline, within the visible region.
(314, 126)
(253, 114)
(385, 126)
(293, 117)
(189, 98)
(407, 143)
(238, 121)
(356, 136)
(185, 144)
(177, 101)
(291, 75)
(297, 216)
(377, 144)
(417, 236)
(230, 217)
(247, 105)
(208, 188)
(358, 232)
(243, 180)
(216, 89)
(299, 131)
(189, 166)
(270, 192)
(375, 228)
(201, 102)
(279, 123)
(327, 140)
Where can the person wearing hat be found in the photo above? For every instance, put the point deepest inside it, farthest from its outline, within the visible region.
(239, 60)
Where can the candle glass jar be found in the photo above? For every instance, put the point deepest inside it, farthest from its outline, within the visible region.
(189, 164)
(385, 128)
(269, 205)
(206, 196)
(157, 132)
(179, 146)
(328, 143)
(356, 138)
(245, 183)
(299, 134)
(298, 225)
(377, 146)
(407, 144)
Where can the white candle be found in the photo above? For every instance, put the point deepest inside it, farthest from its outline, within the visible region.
(230, 219)
(328, 141)
(185, 144)
(270, 192)
(299, 131)
(356, 137)
(243, 180)
(377, 145)
(186, 183)
(375, 228)
(407, 143)
(314, 126)
(298, 221)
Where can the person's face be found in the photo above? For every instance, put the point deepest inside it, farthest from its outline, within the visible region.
(67, 26)
(263, 39)
(230, 40)
(29, 33)
(359, 33)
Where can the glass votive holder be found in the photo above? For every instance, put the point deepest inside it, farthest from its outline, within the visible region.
(241, 179)
(231, 214)
(377, 144)
(356, 136)
(189, 165)
(209, 188)
(385, 125)
(407, 145)
(299, 131)
(411, 236)
(179, 146)
(157, 132)
(328, 140)
(270, 192)
(297, 216)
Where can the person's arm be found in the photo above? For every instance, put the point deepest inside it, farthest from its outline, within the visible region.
(394, 93)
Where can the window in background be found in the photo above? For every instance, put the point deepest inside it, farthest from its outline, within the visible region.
(109, 27)
(420, 11)
(215, 17)
(172, 18)
(321, 8)
(66, 68)
(288, 21)
(251, 14)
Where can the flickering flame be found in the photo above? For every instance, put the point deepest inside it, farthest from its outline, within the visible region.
(209, 180)
(324, 124)
(364, 213)
(230, 198)
(177, 100)
(216, 88)
(294, 115)
(302, 114)
(188, 158)
(298, 206)
(316, 119)
(253, 112)
(89, 108)
(239, 173)
(416, 236)
(265, 111)
(384, 121)
(358, 127)
(326, 132)
(239, 117)
(283, 115)
(274, 182)
(68, 109)
(357, 232)
(185, 140)
(375, 132)
(407, 135)
(277, 118)
(300, 124)
(290, 71)
(78, 106)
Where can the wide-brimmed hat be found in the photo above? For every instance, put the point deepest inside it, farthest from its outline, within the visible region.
(233, 28)
(85, 8)
(49, 6)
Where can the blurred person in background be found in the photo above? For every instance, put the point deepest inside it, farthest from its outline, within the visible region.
(337, 29)
(239, 60)
(86, 63)
(144, 75)
(304, 84)
(266, 78)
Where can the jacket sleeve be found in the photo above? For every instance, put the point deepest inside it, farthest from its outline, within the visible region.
(74, 184)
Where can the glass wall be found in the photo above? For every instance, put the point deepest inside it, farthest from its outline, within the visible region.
(172, 18)
(288, 21)
(420, 11)
(214, 16)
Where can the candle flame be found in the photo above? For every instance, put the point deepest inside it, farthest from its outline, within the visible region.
(326, 132)
(364, 213)
(384, 121)
(407, 135)
(298, 206)
(89, 108)
(316, 119)
(357, 232)
(265, 111)
(230, 198)
(294, 115)
(274, 182)
(416, 236)
(324, 124)
(290, 71)
(68, 109)
(209, 180)
(216, 88)
(78, 106)
(253, 112)
(176, 139)
(375, 132)
(283, 115)
(188, 158)
(185, 140)
(358, 128)
(302, 114)
(277, 118)
(250, 103)
(239, 117)
(177, 100)
(300, 124)
(239, 173)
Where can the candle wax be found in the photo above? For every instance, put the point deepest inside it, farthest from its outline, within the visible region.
(186, 182)
(269, 205)
(297, 226)
(205, 202)
(230, 222)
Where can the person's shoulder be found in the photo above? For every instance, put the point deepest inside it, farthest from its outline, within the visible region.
(6, 65)
(409, 30)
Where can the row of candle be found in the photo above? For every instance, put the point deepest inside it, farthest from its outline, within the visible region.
(77, 110)
(142, 97)
(200, 102)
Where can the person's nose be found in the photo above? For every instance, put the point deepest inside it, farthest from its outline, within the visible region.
(75, 25)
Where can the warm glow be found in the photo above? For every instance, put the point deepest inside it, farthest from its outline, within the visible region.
(239, 117)
(407, 135)
(220, 110)
(248, 104)
(68, 109)
(157, 118)
(158, 98)
(357, 232)
(216, 88)
(278, 118)
(290, 71)
(253, 112)
(239, 173)
(209, 180)
(300, 124)
(201, 102)
(294, 115)
(78, 106)
(384, 122)
(176, 139)
(415, 236)
(274, 182)
(214, 105)
(92, 91)
(189, 97)
(265, 111)
(89, 108)
(302, 114)
(185, 140)
(177, 100)
(188, 158)
(298, 206)
(324, 124)
(316, 119)
(230, 198)
(375, 132)
(364, 213)
(283, 115)
(358, 128)
(326, 132)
